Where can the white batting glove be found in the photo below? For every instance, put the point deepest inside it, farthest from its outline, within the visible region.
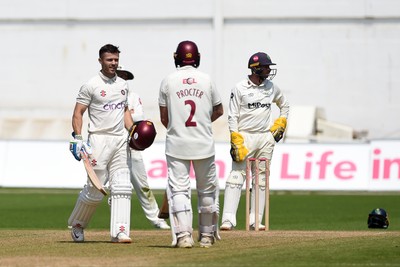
(75, 146)
(87, 148)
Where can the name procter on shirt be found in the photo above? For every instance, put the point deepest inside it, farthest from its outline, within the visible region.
(190, 96)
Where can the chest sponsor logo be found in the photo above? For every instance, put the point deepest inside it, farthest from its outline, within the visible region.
(189, 81)
(114, 106)
(258, 105)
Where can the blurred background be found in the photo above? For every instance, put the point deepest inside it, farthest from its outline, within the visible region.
(338, 61)
(338, 64)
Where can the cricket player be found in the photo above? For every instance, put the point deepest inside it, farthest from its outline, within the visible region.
(189, 103)
(136, 164)
(252, 135)
(105, 98)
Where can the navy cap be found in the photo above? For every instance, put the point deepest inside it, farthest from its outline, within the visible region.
(260, 59)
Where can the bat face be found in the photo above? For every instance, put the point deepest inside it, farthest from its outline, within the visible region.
(91, 174)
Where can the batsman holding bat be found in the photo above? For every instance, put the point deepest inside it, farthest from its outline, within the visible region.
(252, 135)
(136, 164)
(189, 103)
(105, 98)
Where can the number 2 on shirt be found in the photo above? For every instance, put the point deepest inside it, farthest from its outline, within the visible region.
(189, 122)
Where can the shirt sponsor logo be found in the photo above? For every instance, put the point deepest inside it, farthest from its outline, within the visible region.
(113, 106)
(258, 105)
(189, 81)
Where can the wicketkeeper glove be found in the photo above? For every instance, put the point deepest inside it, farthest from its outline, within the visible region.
(77, 145)
(278, 128)
(238, 150)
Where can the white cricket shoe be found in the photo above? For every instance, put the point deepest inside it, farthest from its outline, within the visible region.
(161, 224)
(206, 241)
(261, 227)
(121, 238)
(226, 226)
(77, 233)
(185, 241)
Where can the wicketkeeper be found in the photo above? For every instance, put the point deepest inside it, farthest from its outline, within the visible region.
(249, 119)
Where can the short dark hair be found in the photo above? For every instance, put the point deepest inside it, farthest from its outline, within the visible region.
(109, 48)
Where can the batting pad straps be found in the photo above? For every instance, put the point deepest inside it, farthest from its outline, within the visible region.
(184, 224)
(121, 189)
(208, 209)
(207, 229)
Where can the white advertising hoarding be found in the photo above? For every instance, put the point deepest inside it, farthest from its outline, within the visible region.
(373, 166)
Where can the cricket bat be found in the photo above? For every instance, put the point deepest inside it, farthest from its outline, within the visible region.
(164, 211)
(91, 174)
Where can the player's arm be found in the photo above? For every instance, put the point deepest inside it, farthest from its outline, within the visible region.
(77, 118)
(279, 126)
(77, 145)
(164, 116)
(238, 150)
(234, 110)
(128, 119)
(218, 111)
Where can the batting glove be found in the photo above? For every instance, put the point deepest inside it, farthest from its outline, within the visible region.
(238, 150)
(278, 128)
(77, 145)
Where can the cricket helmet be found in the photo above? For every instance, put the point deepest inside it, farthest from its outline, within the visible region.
(187, 53)
(124, 74)
(142, 135)
(256, 63)
(378, 218)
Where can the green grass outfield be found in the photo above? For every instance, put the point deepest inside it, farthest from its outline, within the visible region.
(307, 229)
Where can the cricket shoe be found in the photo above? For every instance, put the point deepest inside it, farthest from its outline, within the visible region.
(206, 241)
(161, 224)
(185, 241)
(121, 238)
(77, 233)
(226, 226)
(261, 227)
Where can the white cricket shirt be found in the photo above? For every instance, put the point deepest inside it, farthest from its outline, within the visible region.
(106, 100)
(135, 106)
(190, 97)
(250, 106)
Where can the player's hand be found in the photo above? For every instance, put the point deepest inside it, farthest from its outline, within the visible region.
(77, 145)
(278, 128)
(238, 149)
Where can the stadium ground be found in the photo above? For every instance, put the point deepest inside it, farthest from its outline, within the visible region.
(307, 229)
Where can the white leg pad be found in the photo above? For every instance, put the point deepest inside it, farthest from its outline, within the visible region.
(121, 191)
(208, 216)
(181, 214)
(231, 203)
(88, 200)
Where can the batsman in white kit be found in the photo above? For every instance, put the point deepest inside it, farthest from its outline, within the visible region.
(189, 103)
(136, 164)
(252, 135)
(105, 98)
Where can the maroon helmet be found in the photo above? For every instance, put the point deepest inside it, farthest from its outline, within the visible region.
(142, 135)
(187, 54)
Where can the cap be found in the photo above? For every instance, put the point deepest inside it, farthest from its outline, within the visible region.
(124, 74)
(260, 59)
